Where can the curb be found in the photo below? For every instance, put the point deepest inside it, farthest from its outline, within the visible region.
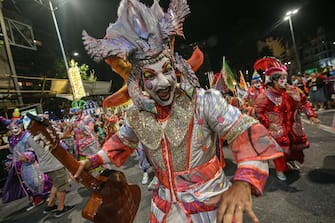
(321, 126)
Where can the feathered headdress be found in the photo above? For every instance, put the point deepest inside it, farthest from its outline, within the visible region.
(141, 35)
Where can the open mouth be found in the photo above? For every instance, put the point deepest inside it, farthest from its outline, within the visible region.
(164, 94)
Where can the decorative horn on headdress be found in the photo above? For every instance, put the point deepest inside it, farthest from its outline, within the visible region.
(139, 34)
(196, 59)
(123, 68)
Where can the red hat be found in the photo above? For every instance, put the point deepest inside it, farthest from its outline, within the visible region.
(274, 70)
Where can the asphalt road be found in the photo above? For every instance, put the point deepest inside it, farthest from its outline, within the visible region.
(308, 196)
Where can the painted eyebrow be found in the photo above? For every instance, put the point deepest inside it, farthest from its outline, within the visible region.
(153, 71)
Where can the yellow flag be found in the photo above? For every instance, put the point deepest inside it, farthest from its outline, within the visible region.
(243, 84)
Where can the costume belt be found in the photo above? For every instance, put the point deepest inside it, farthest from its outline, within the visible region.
(185, 180)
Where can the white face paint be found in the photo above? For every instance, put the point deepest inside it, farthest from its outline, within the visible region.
(257, 84)
(159, 80)
(15, 129)
(282, 82)
(76, 113)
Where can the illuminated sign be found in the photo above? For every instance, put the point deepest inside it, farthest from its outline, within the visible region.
(76, 82)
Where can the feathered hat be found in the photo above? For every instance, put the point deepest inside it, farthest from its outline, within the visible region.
(141, 35)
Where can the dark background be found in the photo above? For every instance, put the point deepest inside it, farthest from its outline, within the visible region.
(221, 28)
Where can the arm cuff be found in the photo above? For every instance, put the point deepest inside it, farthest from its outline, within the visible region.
(95, 161)
(256, 177)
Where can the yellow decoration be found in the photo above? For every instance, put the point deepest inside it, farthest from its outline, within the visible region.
(76, 82)
(16, 113)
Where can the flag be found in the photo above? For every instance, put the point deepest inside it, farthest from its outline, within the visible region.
(219, 83)
(228, 76)
(243, 84)
(241, 94)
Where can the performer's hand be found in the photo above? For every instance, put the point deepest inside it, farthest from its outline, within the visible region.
(314, 121)
(234, 202)
(83, 165)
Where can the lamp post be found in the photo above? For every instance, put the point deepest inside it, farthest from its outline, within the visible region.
(288, 16)
(53, 9)
(58, 35)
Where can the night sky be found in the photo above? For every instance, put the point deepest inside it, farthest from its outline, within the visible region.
(231, 30)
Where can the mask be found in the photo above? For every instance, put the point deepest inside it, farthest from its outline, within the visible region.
(282, 82)
(159, 81)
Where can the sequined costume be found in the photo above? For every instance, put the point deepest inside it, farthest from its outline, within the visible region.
(182, 151)
(280, 111)
(24, 169)
(177, 124)
(86, 141)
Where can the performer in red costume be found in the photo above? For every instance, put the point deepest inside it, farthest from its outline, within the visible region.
(254, 90)
(177, 124)
(111, 123)
(278, 109)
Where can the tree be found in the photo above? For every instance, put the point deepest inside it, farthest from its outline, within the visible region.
(272, 47)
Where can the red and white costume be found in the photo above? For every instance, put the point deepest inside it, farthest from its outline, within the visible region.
(279, 110)
(177, 124)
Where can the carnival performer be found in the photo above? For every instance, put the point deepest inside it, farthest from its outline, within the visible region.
(86, 141)
(254, 90)
(177, 124)
(24, 175)
(278, 108)
(111, 123)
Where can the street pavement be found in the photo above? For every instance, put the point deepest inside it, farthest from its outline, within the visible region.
(308, 196)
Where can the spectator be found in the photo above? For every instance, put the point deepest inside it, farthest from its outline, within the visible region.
(57, 173)
(317, 95)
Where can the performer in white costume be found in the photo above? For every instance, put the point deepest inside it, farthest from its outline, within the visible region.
(177, 123)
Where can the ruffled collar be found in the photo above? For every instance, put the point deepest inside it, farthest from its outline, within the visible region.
(15, 139)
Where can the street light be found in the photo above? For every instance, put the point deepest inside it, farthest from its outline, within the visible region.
(58, 34)
(288, 16)
(75, 54)
(53, 9)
